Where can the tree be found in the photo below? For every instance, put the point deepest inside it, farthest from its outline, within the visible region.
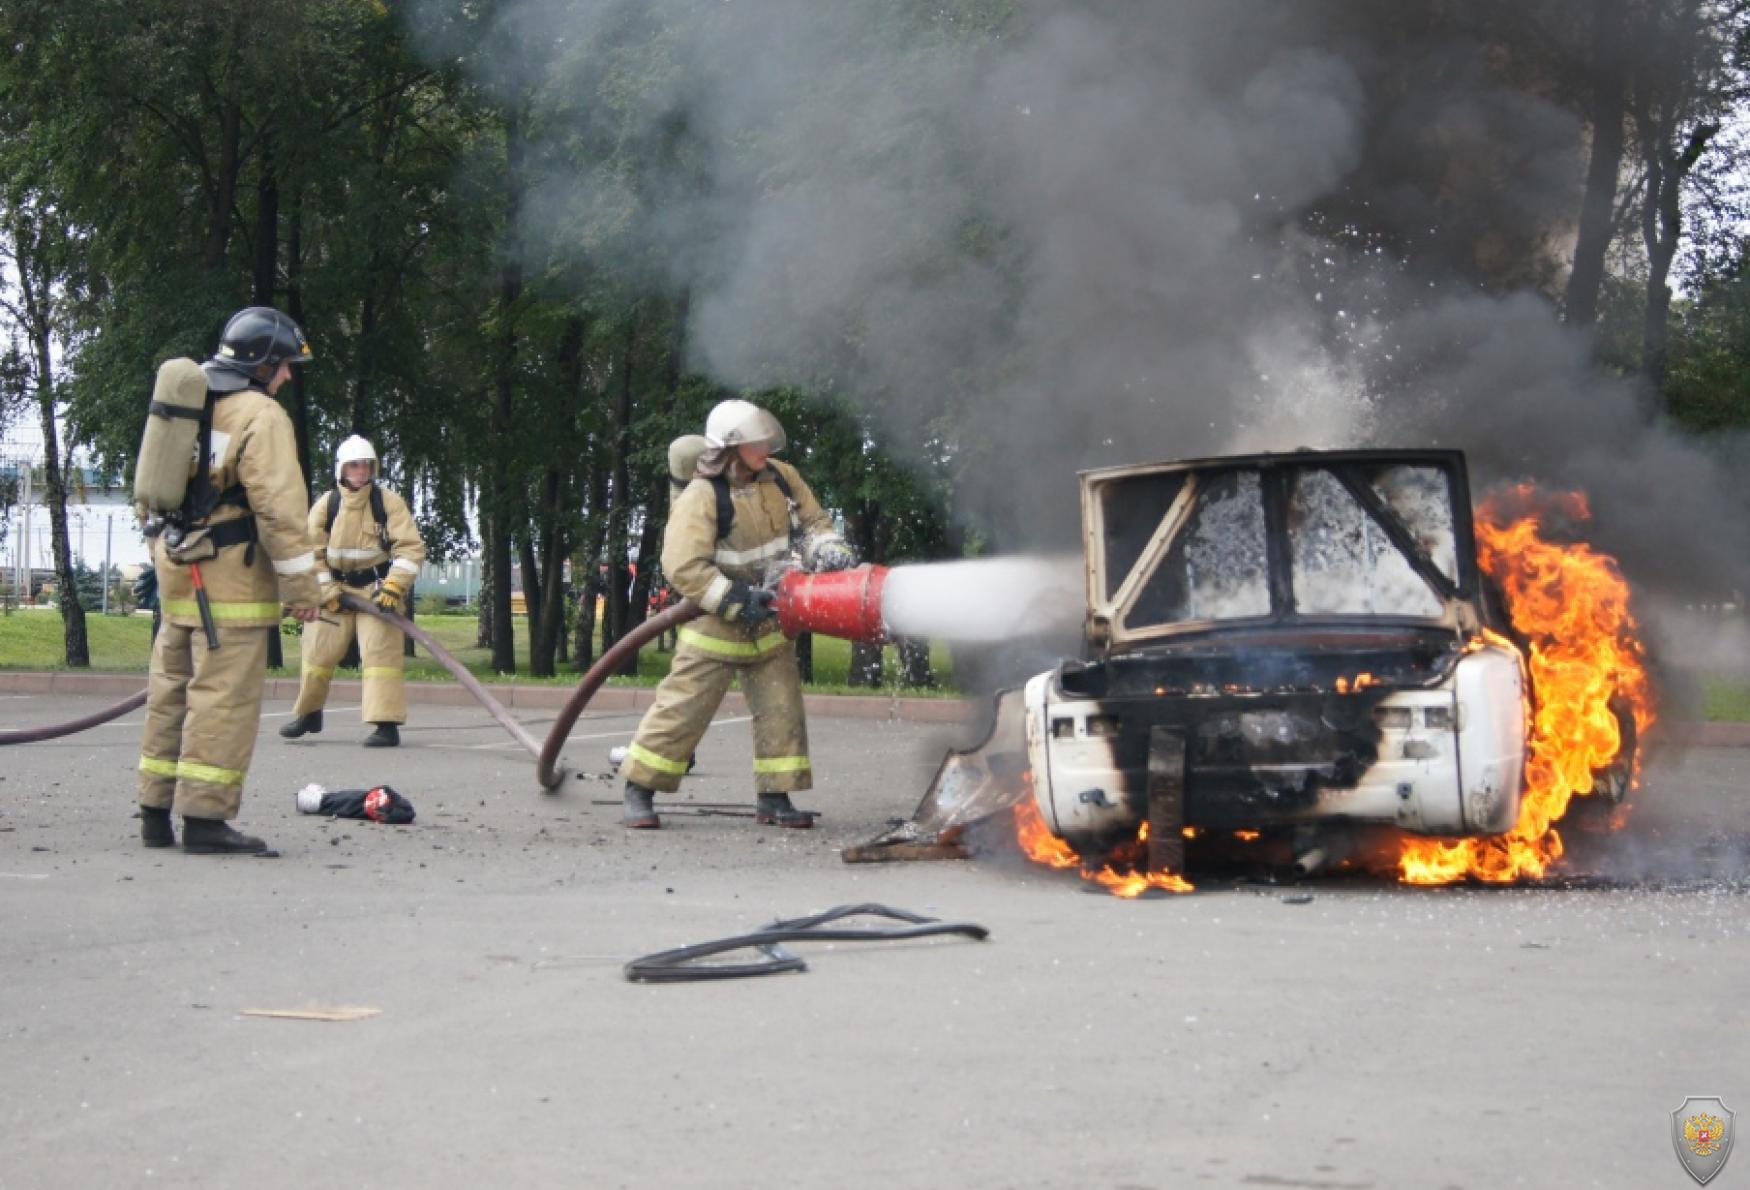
(1606, 112)
(1688, 79)
(35, 250)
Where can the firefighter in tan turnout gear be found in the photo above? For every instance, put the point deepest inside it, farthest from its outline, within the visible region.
(366, 545)
(237, 546)
(741, 520)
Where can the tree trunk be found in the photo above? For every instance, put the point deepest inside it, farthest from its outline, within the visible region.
(547, 614)
(567, 613)
(1662, 233)
(589, 558)
(583, 634)
(547, 633)
(267, 229)
(295, 308)
(222, 196)
(364, 369)
(266, 276)
(35, 289)
(483, 599)
(1598, 208)
(805, 655)
(503, 428)
(528, 569)
(620, 511)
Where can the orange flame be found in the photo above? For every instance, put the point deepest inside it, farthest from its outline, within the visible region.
(1042, 847)
(1571, 604)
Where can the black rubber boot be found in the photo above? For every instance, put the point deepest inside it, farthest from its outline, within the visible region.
(212, 836)
(155, 828)
(310, 724)
(774, 809)
(640, 808)
(387, 735)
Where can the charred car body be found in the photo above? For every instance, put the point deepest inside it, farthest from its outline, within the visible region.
(1289, 640)
(1298, 644)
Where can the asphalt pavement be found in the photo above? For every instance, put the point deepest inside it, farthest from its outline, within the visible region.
(1374, 1036)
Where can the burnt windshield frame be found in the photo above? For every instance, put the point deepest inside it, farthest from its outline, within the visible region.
(1354, 470)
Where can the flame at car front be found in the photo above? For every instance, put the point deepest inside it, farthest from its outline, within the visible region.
(1042, 847)
(1571, 604)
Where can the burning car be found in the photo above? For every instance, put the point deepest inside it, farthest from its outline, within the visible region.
(1299, 648)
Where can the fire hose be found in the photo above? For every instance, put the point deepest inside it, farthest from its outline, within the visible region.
(54, 731)
(547, 756)
(845, 603)
(470, 683)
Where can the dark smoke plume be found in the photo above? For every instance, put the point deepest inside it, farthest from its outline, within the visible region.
(1109, 232)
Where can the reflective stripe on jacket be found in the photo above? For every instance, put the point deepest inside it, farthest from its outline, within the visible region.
(702, 568)
(353, 544)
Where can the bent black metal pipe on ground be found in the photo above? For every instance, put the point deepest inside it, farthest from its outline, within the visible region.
(679, 966)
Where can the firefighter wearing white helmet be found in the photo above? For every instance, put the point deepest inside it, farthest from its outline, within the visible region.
(742, 423)
(366, 545)
(740, 521)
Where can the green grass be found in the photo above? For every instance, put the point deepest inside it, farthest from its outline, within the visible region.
(30, 639)
(1725, 700)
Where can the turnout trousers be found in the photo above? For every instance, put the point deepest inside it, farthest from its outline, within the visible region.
(380, 656)
(202, 711)
(703, 669)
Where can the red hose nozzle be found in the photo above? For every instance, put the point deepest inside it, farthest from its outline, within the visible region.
(843, 603)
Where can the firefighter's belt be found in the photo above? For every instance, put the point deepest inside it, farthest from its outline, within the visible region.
(204, 542)
(363, 578)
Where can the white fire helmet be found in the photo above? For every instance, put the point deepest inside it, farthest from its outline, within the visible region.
(355, 450)
(742, 423)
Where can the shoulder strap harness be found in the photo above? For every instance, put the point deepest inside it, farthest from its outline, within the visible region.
(726, 504)
(360, 578)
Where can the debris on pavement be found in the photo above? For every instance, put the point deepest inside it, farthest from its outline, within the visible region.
(378, 804)
(680, 965)
(339, 1012)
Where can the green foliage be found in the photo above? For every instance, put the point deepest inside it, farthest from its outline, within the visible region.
(1707, 385)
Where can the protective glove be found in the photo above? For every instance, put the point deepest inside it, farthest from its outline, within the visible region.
(391, 593)
(146, 588)
(749, 605)
(328, 598)
(833, 555)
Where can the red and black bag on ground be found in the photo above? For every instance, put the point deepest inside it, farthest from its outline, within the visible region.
(378, 804)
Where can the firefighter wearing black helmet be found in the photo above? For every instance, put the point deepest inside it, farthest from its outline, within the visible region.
(243, 528)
